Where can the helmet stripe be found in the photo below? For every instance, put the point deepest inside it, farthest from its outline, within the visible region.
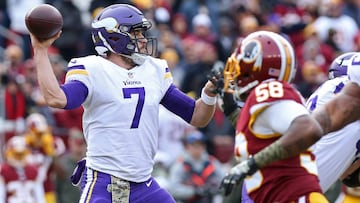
(288, 64)
(290, 61)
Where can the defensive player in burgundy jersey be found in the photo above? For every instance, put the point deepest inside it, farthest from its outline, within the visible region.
(120, 89)
(336, 153)
(18, 179)
(339, 111)
(276, 182)
(261, 68)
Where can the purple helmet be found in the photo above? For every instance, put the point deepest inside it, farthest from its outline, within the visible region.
(111, 30)
(340, 64)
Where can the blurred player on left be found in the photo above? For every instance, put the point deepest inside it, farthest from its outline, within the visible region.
(18, 179)
(44, 147)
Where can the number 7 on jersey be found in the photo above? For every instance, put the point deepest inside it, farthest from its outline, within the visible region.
(140, 104)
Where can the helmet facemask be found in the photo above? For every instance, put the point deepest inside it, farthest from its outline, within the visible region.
(239, 68)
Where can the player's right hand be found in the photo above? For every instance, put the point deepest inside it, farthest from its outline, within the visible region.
(237, 174)
(43, 44)
(229, 181)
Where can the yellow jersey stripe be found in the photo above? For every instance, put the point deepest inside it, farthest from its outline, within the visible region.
(167, 75)
(92, 187)
(252, 120)
(77, 71)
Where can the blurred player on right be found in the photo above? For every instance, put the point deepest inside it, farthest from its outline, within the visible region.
(336, 151)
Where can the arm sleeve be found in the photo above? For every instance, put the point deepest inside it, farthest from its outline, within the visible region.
(76, 93)
(179, 103)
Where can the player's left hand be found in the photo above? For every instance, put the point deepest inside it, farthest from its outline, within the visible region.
(237, 174)
(209, 89)
(217, 79)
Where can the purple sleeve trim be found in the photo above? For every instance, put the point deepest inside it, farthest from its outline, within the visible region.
(179, 103)
(76, 93)
(76, 67)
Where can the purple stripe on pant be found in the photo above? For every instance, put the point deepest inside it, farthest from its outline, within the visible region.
(95, 184)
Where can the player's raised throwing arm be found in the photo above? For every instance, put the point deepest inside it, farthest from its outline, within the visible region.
(53, 94)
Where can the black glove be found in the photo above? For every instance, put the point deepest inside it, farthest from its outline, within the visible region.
(217, 78)
(237, 174)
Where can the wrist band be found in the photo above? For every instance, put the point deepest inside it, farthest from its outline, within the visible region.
(207, 99)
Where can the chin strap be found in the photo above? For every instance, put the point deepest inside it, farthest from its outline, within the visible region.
(138, 59)
(246, 88)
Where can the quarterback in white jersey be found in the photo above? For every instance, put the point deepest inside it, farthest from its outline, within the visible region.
(121, 90)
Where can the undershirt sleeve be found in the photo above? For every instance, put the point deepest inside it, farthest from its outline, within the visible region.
(76, 93)
(178, 103)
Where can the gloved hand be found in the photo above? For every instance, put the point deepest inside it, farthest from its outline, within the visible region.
(217, 78)
(78, 171)
(237, 174)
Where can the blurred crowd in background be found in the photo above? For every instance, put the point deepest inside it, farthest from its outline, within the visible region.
(194, 36)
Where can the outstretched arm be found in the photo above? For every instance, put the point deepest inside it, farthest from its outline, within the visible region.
(343, 109)
(303, 132)
(204, 107)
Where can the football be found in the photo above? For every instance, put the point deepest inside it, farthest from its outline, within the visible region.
(44, 21)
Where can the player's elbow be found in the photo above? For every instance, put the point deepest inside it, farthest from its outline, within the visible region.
(312, 128)
(199, 123)
(55, 102)
(306, 129)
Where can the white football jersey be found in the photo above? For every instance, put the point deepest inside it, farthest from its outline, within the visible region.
(172, 129)
(354, 69)
(121, 111)
(335, 151)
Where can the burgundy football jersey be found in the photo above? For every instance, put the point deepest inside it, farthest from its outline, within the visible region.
(284, 180)
(19, 183)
